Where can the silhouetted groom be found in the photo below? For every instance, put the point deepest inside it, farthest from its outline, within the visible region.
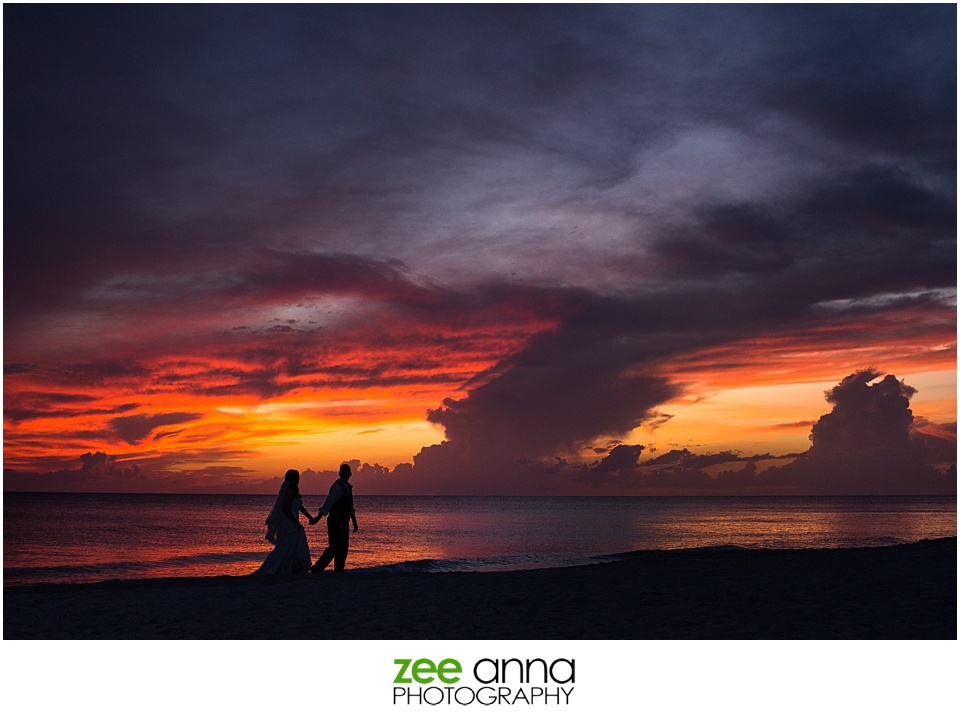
(339, 511)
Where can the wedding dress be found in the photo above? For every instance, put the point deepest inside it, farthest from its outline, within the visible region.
(290, 554)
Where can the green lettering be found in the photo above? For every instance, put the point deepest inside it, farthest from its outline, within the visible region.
(423, 670)
(446, 667)
(404, 663)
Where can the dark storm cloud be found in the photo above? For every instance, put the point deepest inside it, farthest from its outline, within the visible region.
(863, 446)
(662, 179)
(260, 380)
(113, 369)
(881, 464)
(881, 200)
(19, 414)
(137, 427)
(728, 239)
(621, 457)
(290, 275)
(23, 407)
(686, 459)
(11, 369)
(595, 375)
(91, 460)
(900, 235)
(865, 416)
(877, 77)
(589, 378)
(17, 407)
(939, 442)
(164, 136)
(804, 424)
(542, 409)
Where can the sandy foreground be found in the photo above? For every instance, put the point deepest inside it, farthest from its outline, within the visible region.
(899, 592)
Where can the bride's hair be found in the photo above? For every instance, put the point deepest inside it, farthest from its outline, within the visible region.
(292, 475)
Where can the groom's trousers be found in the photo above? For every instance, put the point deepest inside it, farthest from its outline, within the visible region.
(338, 535)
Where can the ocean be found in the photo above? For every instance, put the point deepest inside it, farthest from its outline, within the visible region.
(74, 538)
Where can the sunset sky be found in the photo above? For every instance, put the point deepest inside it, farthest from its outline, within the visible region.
(537, 249)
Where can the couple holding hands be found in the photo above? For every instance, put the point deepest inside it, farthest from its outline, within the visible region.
(291, 552)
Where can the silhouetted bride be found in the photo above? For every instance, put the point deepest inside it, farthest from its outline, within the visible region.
(290, 552)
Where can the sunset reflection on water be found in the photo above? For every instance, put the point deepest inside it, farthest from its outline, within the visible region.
(80, 538)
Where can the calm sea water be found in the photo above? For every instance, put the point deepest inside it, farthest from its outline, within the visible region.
(92, 537)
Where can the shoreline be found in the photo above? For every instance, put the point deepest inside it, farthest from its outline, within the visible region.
(898, 592)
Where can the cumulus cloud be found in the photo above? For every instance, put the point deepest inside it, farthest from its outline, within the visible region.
(859, 449)
(530, 412)
(564, 390)
(865, 445)
(621, 457)
(865, 417)
(91, 460)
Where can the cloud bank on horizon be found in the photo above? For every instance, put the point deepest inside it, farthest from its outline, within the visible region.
(532, 227)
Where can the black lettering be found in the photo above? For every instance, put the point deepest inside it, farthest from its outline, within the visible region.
(553, 676)
(476, 674)
(503, 669)
(543, 663)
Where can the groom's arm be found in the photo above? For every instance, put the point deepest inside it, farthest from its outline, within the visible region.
(332, 497)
